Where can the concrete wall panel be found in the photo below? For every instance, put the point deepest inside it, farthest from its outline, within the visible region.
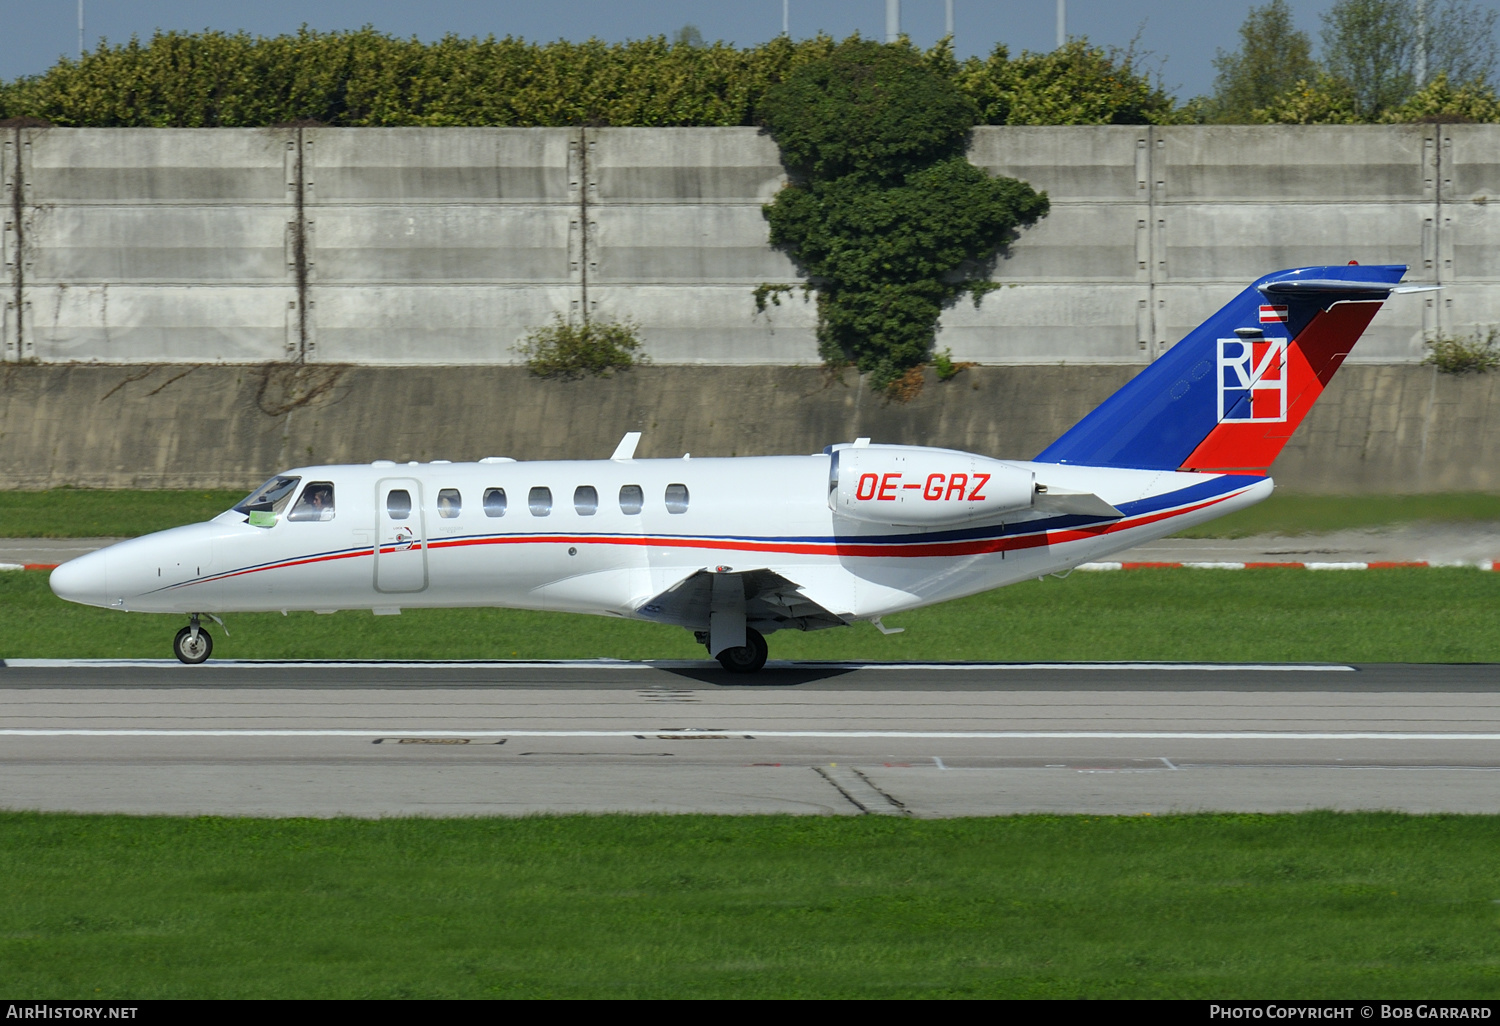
(1240, 242)
(135, 166)
(429, 243)
(684, 165)
(439, 165)
(425, 324)
(1149, 226)
(1024, 324)
(210, 243)
(179, 324)
(1084, 164)
(1291, 163)
(682, 244)
(1079, 242)
(675, 324)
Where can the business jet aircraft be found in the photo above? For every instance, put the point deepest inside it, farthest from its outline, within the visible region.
(734, 549)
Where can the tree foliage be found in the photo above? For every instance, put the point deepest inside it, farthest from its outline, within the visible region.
(1369, 45)
(1076, 84)
(885, 215)
(1273, 56)
(364, 77)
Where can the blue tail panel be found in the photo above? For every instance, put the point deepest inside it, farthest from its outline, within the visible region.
(1157, 420)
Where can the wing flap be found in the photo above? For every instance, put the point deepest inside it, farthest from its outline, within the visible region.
(773, 602)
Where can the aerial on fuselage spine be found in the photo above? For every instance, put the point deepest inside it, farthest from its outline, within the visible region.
(735, 549)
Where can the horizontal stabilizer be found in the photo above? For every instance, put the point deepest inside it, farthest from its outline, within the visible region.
(1078, 503)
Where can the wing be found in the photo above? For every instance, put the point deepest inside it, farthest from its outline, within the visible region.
(772, 603)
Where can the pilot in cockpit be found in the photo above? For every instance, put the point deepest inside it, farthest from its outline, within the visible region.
(316, 503)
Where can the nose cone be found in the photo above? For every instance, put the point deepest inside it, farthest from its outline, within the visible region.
(84, 580)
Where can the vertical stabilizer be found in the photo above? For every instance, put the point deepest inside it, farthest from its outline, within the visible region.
(1228, 396)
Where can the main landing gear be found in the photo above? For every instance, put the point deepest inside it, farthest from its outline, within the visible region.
(748, 659)
(193, 644)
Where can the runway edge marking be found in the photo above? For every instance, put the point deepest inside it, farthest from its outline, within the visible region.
(751, 733)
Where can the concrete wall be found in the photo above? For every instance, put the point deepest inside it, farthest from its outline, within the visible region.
(1377, 429)
(445, 245)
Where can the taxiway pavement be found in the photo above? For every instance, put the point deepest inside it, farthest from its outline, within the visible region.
(441, 739)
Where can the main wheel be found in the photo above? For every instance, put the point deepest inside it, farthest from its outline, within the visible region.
(748, 659)
(190, 651)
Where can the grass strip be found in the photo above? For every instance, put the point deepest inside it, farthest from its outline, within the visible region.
(98, 513)
(1316, 905)
(1397, 615)
(106, 513)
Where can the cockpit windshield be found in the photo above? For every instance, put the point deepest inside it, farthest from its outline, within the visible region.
(262, 505)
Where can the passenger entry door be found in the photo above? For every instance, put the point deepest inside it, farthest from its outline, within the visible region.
(400, 536)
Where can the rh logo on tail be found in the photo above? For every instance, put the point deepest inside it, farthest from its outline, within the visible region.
(1252, 380)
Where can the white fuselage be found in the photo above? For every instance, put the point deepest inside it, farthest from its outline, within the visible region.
(739, 514)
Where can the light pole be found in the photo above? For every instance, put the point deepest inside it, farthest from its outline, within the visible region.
(80, 29)
(892, 20)
(948, 19)
(1062, 23)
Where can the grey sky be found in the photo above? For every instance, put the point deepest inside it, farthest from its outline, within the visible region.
(1181, 34)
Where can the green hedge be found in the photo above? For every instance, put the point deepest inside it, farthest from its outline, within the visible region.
(367, 78)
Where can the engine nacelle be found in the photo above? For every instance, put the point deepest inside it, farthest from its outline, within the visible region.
(910, 486)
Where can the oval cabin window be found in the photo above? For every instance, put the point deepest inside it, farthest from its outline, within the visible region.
(539, 501)
(632, 499)
(677, 498)
(494, 502)
(398, 503)
(586, 500)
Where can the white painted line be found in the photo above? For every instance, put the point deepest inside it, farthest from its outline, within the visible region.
(939, 763)
(1336, 566)
(1215, 566)
(751, 732)
(11, 566)
(1099, 566)
(623, 664)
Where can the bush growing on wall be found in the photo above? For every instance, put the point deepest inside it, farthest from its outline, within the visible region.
(566, 349)
(885, 215)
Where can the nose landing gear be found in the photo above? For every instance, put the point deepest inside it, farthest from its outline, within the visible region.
(193, 644)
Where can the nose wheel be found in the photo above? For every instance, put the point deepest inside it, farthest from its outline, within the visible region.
(193, 644)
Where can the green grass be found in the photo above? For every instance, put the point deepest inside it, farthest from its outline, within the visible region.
(1289, 513)
(94, 513)
(99, 513)
(1399, 615)
(1317, 905)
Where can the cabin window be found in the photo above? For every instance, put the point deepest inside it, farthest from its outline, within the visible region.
(494, 502)
(677, 498)
(316, 502)
(632, 499)
(586, 500)
(262, 505)
(398, 503)
(539, 501)
(450, 503)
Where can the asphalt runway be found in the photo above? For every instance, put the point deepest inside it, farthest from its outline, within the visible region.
(445, 739)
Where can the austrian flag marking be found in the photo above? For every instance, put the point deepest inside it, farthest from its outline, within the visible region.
(1252, 380)
(1273, 315)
